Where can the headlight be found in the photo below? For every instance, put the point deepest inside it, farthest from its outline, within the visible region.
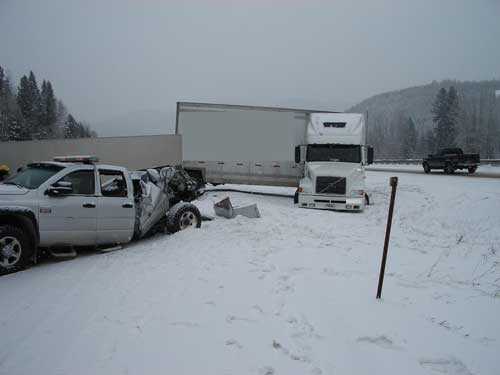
(357, 193)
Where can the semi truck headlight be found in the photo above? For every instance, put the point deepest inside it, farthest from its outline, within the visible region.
(357, 193)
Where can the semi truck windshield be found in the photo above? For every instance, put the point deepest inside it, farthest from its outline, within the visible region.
(338, 153)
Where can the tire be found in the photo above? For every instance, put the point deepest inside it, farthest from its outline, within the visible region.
(427, 169)
(472, 170)
(15, 249)
(182, 216)
(448, 168)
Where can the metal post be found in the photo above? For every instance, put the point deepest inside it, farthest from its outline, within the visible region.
(394, 184)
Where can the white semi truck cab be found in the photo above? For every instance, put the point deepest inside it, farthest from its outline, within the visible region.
(333, 161)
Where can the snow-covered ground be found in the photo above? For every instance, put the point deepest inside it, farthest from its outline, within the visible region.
(290, 293)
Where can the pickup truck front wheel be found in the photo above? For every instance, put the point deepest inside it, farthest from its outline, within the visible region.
(15, 251)
(182, 216)
(472, 169)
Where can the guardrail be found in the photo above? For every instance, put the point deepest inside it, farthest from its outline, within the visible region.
(419, 161)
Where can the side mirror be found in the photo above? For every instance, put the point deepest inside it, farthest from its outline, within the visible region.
(297, 154)
(59, 189)
(300, 153)
(370, 155)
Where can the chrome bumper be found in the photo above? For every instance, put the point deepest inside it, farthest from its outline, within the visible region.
(328, 202)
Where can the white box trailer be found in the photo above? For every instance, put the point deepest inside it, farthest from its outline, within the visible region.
(278, 146)
(242, 144)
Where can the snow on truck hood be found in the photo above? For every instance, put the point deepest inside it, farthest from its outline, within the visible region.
(12, 190)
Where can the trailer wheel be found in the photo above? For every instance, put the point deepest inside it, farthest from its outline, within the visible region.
(472, 169)
(427, 169)
(183, 216)
(15, 249)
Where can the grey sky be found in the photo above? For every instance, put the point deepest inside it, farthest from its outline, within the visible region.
(110, 57)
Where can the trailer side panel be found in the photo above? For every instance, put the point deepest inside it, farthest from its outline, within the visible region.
(242, 144)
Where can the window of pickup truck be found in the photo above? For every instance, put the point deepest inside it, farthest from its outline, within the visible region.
(33, 175)
(451, 151)
(113, 184)
(83, 182)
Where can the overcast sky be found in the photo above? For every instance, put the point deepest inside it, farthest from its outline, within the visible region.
(111, 57)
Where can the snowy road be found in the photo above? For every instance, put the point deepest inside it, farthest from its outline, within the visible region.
(290, 293)
(487, 171)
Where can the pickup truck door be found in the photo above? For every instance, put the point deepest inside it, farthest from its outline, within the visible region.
(70, 219)
(437, 160)
(115, 207)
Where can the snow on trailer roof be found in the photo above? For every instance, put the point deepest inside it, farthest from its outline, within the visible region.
(249, 107)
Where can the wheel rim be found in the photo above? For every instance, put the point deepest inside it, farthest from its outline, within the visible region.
(10, 251)
(188, 219)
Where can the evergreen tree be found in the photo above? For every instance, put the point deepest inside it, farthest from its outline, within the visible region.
(28, 100)
(11, 121)
(24, 102)
(48, 114)
(71, 129)
(3, 107)
(409, 139)
(453, 115)
(61, 117)
(36, 107)
(429, 142)
(440, 117)
(35, 114)
(445, 111)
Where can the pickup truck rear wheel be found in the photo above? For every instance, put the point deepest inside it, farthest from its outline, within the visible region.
(182, 216)
(15, 249)
(472, 169)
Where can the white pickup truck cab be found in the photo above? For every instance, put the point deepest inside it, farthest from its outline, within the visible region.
(74, 201)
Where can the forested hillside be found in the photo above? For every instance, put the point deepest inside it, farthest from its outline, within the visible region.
(30, 111)
(409, 123)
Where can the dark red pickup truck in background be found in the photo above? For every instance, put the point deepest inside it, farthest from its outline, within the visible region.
(451, 159)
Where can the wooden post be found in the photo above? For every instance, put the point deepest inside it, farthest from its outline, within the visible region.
(394, 184)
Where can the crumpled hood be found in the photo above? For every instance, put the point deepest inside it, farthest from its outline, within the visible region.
(12, 190)
(333, 169)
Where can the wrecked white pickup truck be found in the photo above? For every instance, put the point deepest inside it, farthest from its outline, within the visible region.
(50, 207)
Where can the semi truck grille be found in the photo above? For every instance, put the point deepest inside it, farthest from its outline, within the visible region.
(330, 185)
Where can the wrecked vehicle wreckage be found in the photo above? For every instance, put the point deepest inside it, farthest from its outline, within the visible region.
(55, 206)
(160, 197)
